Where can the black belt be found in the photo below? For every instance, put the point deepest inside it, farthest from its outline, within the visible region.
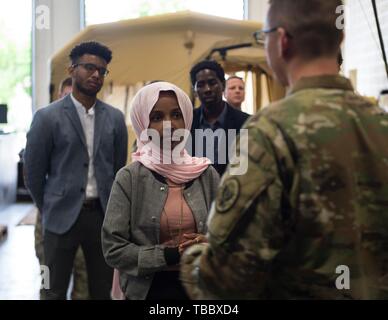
(91, 204)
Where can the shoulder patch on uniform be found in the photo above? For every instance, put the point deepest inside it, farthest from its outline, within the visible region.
(229, 193)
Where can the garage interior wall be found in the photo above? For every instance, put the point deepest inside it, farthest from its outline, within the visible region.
(363, 61)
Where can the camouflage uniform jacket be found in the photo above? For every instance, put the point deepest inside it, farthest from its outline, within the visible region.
(309, 218)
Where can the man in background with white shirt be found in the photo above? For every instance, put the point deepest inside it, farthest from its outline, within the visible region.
(235, 91)
(74, 148)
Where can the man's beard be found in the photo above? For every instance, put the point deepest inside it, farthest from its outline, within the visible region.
(89, 93)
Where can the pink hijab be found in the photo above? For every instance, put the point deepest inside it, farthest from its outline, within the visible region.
(188, 168)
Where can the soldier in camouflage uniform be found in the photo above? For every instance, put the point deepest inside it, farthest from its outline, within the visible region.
(309, 219)
(80, 277)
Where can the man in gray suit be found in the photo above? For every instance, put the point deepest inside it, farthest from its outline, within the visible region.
(74, 148)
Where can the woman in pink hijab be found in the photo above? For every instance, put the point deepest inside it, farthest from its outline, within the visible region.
(159, 204)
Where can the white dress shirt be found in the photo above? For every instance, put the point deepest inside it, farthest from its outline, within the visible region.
(87, 121)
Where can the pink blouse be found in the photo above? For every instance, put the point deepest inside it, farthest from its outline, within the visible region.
(176, 218)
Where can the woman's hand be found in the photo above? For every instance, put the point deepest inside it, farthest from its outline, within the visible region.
(190, 239)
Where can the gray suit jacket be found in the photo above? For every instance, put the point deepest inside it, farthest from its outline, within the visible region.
(56, 159)
(131, 229)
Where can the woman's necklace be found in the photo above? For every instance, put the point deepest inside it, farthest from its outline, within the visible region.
(180, 228)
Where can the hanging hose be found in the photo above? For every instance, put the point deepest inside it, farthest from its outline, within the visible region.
(380, 36)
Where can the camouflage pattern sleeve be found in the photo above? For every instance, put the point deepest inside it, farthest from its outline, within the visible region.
(246, 227)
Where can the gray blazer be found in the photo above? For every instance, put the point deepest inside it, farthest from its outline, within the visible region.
(56, 159)
(130, 233)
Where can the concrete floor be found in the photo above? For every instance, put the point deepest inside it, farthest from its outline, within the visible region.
(19, 268)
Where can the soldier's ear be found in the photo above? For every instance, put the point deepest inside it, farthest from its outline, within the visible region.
(284, 44)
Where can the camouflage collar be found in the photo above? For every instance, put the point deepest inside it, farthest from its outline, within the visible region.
(325, 82)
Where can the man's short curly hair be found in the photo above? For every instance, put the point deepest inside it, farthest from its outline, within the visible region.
(91, 47)
(207, 64)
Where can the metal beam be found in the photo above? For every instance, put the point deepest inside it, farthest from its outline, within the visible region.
(224, 50)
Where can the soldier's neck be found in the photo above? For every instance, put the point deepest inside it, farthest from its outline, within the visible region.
(320, 67)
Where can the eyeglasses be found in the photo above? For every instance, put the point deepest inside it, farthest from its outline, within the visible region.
(260, 34)
(90, 67)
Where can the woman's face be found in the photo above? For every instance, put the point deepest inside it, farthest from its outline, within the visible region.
(167, 109)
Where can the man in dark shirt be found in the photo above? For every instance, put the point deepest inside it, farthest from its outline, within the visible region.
(215, 121)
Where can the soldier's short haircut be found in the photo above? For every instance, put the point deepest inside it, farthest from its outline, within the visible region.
(312, 24)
